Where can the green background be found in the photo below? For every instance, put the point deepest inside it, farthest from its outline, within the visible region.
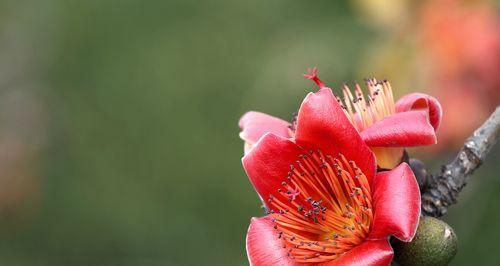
(141, 157)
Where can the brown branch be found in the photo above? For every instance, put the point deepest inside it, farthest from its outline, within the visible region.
(442, 189)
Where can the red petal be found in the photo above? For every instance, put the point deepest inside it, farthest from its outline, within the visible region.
(370, 253)
(419, 101)
(268, 163)
(263, 245)
(255, 124)
(322, 123)
(405, 129)
(396, 201)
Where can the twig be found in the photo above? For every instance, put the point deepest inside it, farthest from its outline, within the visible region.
(442, 189)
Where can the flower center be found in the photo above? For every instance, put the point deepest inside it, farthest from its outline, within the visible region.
(323, 208)
(364, 113)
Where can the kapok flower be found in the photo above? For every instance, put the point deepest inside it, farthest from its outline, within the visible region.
(386, 126)
(325, 202)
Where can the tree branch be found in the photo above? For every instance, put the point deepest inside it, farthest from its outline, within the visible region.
(442, 189)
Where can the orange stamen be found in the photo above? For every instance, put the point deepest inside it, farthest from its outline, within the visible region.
(323, 208)
(362, 113)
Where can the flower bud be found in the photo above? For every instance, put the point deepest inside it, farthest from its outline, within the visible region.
(435, 243)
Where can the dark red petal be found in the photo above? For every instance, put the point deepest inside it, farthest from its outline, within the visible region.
(405, 129)
(396, 201)
(369, 253)
(264, 248)
(268, 163)
(421, 101)
(322, 124)
(255, 124)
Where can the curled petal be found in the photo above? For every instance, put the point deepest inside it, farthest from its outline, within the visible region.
(255, 124)
(263, 245)
(421, 101)
(405, 129)
(396, 201)
(268, 163)
(321, 123)
(369, 253)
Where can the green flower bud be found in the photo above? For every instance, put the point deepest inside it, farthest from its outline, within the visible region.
(435, 243)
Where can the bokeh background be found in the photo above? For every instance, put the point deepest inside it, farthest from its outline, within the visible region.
(118, 119)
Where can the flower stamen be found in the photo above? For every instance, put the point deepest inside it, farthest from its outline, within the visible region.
(323, 208)
(362, 113)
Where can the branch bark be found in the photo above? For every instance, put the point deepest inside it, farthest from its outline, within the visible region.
(442, 189)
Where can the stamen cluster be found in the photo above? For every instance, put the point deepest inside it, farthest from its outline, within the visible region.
(364, 113)
(323, 208)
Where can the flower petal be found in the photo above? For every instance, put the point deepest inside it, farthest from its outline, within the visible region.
(321, 123)
(263, 245)
(405, 129)
(369, 253)
(396, 201)
(255, 124)
(419, 101)
(268, 163)
(388, 157)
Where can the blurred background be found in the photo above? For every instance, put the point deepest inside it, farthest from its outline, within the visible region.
(118, 119)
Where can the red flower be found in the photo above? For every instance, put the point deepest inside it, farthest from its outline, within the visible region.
(385, 126)
(326, 203)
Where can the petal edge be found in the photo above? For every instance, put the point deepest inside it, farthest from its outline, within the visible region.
(396, 200)
(419, 101)
(255, 124)
(406, 129)
(263, 245)
(369, 253)
(268, 164)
